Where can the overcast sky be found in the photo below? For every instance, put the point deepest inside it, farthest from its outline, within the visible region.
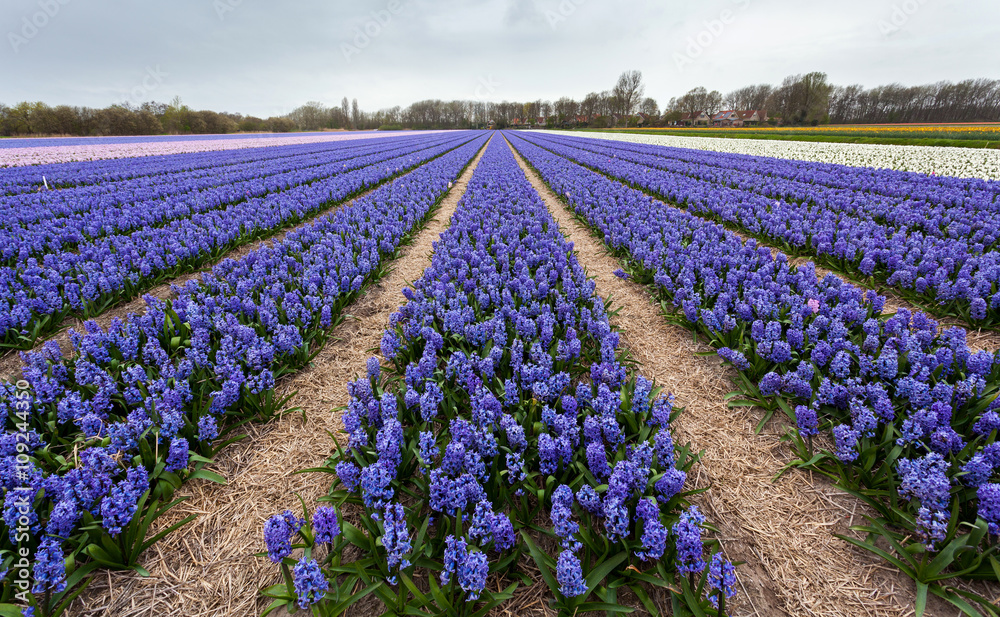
(265, 57)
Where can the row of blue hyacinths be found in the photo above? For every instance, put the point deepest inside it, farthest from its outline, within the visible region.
(504, 426)
(911, 414)
(97, 442)
(936, 241)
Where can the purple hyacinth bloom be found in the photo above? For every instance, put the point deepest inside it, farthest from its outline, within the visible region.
(454, 457)
(926, 480)
(482, 519)
(977, 309)
(840, 367)
(428, 448)
(120, 505)
(980, 363)
(455, 553)
(781, 352)
(670, 484)
(654, 534)
(932, 526)
(640, 397)
(590, 500)
(616, 521)
(570, 575)
(989, 506)
(278, 532)
(376, 487)
(548, 453)
(63, 519)
(977, 471)
(389, 444)
(326, 524)
(177, 458)
(846, 441)
(661, 410)
(349, 474)
(721, 578)
(592, 430)
(887, 364)
(50, 567)
(472, 573)
(396, 539)
(805, 419)
(687, 532)
(504, 537)
(987, 423)
(597, 460)
(736, 358)
(621, 274)
(310, 583)
(562, 518)
(663, 445)
(770, 384)
(390, 345)
(208, 428)
(374, 368)
(515, 468)
(411, 399)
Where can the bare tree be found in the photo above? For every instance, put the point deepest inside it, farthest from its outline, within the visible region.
(355, 114)
(546, 109)
(628, 91)
(713, 102)
(692, 101)
(566, 109)
(310, 117)
(590, 105)
(649, 107)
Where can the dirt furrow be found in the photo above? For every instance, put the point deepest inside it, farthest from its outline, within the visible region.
(209, 567)
(783, 530)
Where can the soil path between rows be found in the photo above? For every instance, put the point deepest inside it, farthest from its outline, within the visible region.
(209, 567)
(783, 530)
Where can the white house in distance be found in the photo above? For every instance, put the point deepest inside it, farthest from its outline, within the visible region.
(733, 117)
(696, 118)
(753, 117)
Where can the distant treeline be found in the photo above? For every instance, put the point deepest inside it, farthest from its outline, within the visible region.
(811, 99)
(147, 119)
(972, 100)
(798, 100)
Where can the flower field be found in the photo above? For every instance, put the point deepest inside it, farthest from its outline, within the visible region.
(930, 160)
(981, 131)
(40, 151)
(504, 451)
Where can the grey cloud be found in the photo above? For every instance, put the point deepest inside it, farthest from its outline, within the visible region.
(264, 57)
